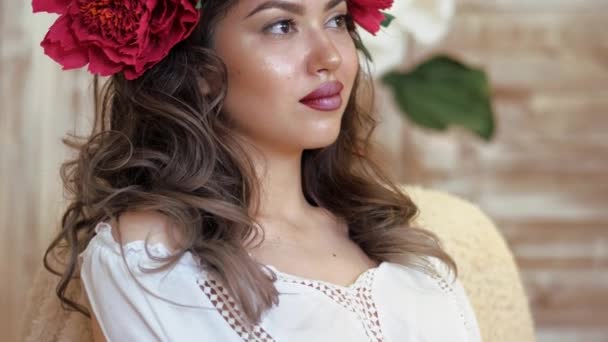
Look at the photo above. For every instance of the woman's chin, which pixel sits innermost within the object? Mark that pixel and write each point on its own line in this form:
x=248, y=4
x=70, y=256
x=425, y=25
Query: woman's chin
x=322, y=141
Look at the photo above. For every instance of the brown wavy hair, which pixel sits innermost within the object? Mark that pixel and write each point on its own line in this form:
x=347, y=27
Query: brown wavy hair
x=160, y=143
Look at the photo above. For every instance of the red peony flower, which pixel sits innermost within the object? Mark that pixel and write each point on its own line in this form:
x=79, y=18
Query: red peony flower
x=367, y=13
x=113, y=36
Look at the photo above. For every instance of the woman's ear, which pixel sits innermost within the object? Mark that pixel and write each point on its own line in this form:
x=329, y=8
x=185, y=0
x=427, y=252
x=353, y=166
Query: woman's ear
x=210, y=84
x=204, y=86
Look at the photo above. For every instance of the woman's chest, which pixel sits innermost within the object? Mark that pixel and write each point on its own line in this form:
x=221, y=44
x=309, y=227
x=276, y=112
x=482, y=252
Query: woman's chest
x=334, y=260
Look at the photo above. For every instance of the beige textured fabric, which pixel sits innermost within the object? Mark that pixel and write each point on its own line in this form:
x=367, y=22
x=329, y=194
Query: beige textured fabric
x=486, y=269
x=486, y=265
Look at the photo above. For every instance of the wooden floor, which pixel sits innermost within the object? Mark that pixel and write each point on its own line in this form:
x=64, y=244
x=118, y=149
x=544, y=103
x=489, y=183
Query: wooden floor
x=542, y=179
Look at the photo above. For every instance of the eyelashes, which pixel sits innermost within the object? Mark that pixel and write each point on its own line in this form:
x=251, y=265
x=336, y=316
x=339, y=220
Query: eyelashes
x=290, y=23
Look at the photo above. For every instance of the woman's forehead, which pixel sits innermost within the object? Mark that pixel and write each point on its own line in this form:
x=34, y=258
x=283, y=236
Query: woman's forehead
x=299, y=7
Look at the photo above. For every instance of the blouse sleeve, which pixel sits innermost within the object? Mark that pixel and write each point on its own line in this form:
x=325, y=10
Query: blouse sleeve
x=165, y=305
x=466, y=309
x=454, y=288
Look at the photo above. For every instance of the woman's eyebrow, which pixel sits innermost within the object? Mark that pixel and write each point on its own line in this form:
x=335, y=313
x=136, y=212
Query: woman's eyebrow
x=289, y=6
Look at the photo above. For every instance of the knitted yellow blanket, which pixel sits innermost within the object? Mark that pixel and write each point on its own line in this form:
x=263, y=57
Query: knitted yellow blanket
x=487, y=271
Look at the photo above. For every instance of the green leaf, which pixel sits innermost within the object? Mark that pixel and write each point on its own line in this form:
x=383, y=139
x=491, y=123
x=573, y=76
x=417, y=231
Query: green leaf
x=388, y=18
x=442, y=92
x=199, y=4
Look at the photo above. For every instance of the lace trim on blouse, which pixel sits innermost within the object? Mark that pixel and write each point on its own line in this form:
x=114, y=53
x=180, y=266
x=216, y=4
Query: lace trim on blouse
x=226, y=306
x=356, y=297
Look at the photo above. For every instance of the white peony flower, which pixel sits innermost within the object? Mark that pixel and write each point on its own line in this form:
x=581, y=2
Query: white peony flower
x=426, y=21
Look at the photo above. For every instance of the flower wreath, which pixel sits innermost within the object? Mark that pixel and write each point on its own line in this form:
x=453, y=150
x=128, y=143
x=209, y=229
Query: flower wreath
x=131, y=36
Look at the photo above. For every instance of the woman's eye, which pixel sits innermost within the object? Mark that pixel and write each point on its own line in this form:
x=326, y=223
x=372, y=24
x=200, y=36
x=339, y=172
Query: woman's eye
x=341, y=20
x=282, y=25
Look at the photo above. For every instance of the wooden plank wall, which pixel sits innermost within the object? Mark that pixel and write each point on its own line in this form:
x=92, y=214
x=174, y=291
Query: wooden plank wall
x=39, y=104
x=541, y=179
x=544, y=177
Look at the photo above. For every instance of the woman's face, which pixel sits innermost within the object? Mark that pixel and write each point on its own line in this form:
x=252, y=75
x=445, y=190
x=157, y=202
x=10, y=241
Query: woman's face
x=276, y=53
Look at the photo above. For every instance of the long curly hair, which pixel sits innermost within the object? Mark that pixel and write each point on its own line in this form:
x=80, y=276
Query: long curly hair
x=160, y=143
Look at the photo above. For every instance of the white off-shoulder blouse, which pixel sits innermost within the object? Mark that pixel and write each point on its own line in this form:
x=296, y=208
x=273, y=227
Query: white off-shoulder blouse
x=388, y=303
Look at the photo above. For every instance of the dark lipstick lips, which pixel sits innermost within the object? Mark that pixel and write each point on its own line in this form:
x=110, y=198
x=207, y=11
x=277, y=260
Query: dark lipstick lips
x=327, y=89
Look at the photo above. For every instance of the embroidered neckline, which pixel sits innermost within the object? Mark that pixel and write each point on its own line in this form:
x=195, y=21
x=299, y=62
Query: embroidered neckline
x=358, y=282
x=356, y=298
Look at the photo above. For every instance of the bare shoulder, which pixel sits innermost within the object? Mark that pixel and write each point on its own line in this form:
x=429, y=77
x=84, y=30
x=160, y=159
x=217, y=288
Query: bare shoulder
x=142, y=225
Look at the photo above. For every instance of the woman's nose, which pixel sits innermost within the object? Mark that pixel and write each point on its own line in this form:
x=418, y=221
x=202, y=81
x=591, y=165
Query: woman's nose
x=324, y=55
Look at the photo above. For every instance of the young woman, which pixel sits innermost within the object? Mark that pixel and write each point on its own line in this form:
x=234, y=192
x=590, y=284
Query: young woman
x=226, y=192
